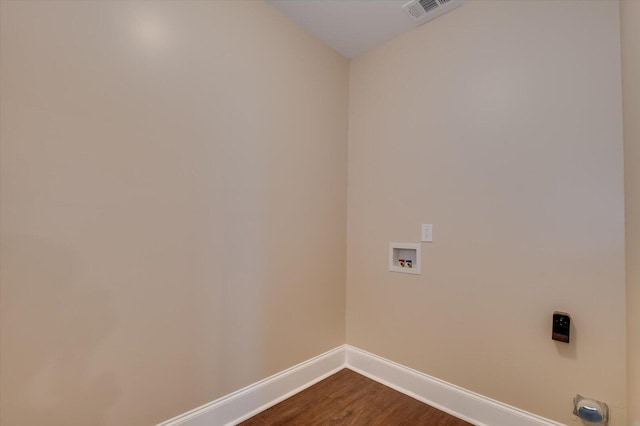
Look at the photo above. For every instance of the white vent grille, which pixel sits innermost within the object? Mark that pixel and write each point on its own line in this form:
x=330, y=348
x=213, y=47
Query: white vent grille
x=428, y=5
x=414, y=10
x=422, y=11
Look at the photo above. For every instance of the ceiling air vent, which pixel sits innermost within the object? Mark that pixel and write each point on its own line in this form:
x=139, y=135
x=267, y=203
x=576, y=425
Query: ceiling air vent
x=414, y=10
x=422, y=11
x=428, y=5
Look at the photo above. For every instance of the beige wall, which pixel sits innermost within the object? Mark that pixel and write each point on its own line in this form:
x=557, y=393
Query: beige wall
x=149, y=149
x=630, y=31
x=500, y=123
x=173, y=195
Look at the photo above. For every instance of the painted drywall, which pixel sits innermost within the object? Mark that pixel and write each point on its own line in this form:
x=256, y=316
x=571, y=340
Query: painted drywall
x=173, y=205
x=630, y=43
x=499, y=123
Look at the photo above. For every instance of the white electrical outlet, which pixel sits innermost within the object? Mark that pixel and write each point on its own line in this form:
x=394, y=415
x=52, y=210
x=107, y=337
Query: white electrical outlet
x=427, y=233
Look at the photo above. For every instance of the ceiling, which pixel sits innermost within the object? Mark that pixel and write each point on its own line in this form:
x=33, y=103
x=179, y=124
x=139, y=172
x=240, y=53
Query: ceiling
x=351, y=27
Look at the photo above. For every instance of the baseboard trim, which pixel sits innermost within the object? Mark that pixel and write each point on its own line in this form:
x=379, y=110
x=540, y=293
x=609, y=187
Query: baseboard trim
x=249, y=401
x=459, y=402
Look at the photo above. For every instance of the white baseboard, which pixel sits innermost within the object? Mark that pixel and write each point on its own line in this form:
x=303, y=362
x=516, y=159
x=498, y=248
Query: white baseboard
x=247, y=402
x=452, y=399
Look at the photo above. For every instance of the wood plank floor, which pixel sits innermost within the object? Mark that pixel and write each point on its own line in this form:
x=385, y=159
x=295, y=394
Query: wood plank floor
x=348, y=398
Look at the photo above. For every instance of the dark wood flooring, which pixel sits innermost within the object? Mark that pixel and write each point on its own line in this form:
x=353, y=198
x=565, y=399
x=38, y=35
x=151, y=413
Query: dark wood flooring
x=348, y=398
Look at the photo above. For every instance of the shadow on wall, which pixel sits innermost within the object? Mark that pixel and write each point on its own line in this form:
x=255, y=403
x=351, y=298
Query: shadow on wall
x=49, y=330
